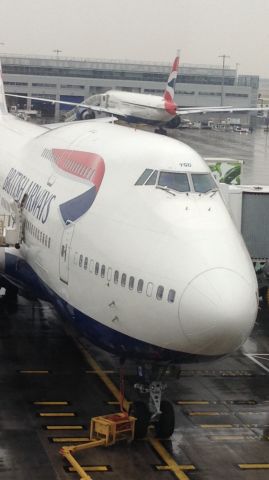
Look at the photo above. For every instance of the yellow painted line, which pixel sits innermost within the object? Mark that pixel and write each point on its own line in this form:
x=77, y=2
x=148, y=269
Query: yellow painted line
x=253, y=466
x=38, y=372
x=115, y=403
x=91, y=468
x=70, y=439
x=51, y=403
x=64, y=427
x=204, y=414
x=225, y=425
x=192, y=402
x=165, y=468
x=54, y=414
x=166, y=457
x=104, y=377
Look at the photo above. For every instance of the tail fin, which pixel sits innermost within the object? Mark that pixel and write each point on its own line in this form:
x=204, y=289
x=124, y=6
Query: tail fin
x=3, y=105
x=170, y=86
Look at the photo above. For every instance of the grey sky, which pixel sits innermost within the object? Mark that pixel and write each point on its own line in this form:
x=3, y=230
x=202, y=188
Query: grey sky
x=141, y=30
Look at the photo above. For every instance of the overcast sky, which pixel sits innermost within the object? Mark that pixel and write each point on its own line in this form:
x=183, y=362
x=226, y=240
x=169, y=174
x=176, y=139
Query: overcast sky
x=141, y=30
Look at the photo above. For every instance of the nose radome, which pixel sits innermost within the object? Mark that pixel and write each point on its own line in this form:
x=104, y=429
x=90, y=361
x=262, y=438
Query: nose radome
x=217, y=311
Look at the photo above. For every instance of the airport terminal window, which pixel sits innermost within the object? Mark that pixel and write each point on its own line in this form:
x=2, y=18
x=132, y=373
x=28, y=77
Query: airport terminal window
x=159, y=294
x=103, y=271
x=140, y=285
x=96, y=271
x=171, y=296
x=175, y=181
x=143, y=178
x=131, y=283
x=203, y=182
x=116, y=276
x=123, y=280
x=80, y=260
x=85, y=263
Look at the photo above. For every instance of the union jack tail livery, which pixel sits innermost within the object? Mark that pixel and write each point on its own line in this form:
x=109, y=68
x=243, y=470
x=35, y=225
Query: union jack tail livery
x=170, y=86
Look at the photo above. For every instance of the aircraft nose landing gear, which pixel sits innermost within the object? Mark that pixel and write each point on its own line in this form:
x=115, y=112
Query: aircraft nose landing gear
x=158, y=412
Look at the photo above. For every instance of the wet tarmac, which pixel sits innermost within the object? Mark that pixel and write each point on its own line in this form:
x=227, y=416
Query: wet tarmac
x=49, y=389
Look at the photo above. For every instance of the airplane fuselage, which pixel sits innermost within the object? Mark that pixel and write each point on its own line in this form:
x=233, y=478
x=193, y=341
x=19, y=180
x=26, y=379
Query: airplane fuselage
x=136, y=107
x=138, y=267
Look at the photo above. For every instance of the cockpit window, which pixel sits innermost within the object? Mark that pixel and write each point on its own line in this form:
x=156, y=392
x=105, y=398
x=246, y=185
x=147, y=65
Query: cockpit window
x=152, y=179
x=143, y=178
x=175, y=181
x=203, y=182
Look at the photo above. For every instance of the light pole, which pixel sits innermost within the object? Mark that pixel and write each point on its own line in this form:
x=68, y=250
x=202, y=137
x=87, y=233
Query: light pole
x=57, y=51
x=222, y=80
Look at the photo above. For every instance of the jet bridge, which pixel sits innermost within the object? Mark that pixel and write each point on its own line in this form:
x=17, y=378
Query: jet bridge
x=11, y=227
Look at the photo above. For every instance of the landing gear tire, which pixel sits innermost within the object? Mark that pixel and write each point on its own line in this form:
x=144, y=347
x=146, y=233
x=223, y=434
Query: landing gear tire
x=140, y=411
x=166, y=423
x=161, y=131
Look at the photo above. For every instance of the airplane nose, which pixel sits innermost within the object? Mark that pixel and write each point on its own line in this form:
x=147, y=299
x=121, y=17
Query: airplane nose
x=217, y=311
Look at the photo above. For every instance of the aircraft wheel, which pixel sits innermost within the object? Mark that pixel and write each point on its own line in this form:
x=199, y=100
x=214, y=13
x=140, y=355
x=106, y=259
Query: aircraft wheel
x=166, y=423
x=140, y=411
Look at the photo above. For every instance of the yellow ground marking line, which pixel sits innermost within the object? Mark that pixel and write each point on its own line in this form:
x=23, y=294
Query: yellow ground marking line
x=225, y=425
x=38, y=372
x=170, y=462
x=64, y=427
x=70, y=439
x=192, y=402
x=206, y=414
x=166, y=468
x=54, y=414
x=253, y=466
x=174, y=467
x=50, y=403
x=104, y=377
x=91, y=468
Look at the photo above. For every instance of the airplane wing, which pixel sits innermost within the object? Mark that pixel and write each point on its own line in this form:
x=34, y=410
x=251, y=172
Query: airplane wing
x=52, y=126
x=51, y=100
x=228, y=109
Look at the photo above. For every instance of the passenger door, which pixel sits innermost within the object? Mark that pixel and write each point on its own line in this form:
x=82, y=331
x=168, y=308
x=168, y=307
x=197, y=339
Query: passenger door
x=65, y=247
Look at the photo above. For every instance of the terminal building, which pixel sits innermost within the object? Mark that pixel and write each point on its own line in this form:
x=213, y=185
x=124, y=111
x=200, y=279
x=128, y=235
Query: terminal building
x=75, y=79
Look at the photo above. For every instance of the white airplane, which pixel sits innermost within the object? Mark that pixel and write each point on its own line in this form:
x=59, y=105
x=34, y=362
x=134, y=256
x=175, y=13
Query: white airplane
x=139, y=108
x=127, y=235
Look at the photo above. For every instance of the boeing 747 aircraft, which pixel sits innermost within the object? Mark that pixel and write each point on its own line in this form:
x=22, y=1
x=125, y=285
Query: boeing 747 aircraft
x=127, y=235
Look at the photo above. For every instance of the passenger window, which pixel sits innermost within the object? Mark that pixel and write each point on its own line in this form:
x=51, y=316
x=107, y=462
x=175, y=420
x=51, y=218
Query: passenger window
x=159, y=294
x=149, y=289
x=152, y=179
x=46, y=240
x=143, y=178
x=96, y=271
x=103, y=271
x=80, y=261
x=109, y=273
x=62, y=251
x=123, y=280
x=116, y=276
x=131, y=283
x=171, y=296
x=140, y=285
x=91, y=265
x=49, y=242
x=85, y=263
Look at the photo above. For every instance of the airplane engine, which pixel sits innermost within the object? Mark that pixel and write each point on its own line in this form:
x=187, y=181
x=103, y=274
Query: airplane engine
x=174, y=122
x=85, y=114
